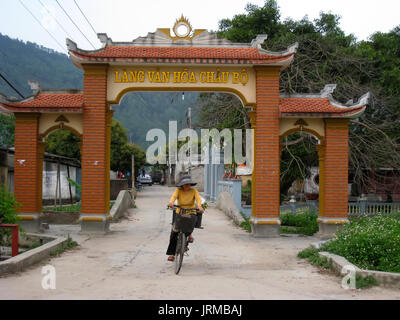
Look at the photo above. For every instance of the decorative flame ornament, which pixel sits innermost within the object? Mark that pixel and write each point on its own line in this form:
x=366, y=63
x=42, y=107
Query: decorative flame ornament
x=182, y=22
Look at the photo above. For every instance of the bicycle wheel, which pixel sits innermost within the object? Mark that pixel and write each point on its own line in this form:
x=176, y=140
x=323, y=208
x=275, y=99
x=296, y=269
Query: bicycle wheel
x=180, y=251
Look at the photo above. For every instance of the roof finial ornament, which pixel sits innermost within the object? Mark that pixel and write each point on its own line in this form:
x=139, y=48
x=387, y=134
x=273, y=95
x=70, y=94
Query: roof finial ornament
x=259, y=40
x=182, y=23
x=328, y=90
x=35, y=86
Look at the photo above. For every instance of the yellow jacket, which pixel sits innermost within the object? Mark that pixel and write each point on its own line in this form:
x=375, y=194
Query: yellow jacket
x=186, y=199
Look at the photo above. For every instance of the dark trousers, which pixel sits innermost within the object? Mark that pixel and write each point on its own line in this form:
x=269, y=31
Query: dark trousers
x=173, y=241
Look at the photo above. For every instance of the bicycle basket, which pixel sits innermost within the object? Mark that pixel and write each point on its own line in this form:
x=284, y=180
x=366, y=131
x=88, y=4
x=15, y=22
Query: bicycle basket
x=185, y=222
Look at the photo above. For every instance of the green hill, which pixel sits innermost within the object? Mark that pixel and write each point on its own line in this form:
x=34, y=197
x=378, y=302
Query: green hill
x=138, y=111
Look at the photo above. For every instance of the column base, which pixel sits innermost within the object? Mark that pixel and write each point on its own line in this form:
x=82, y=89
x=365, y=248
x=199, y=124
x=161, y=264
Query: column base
x=95, y=223
x=31, y=222
x=265, y=227
x=329, y=226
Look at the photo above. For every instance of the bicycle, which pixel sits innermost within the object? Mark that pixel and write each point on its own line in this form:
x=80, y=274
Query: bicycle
x=184, y=222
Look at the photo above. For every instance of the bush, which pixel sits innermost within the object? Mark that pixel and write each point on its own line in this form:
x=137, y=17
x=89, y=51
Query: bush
x=369, y=242
x=8, y=213
x=305, y=223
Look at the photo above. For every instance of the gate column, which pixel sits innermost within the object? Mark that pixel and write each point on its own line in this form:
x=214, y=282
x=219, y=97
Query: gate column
x=95, y=150
x=265, y=206
x=335, y=177
x=28, y=167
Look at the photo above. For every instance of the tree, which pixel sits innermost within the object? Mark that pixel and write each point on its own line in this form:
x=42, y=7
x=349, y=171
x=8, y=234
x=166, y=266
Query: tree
x=7, y=129
x=327, y=55
x=63, y=143
x=122, y=151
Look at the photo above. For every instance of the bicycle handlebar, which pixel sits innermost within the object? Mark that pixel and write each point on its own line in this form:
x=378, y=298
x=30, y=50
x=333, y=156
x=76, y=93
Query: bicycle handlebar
x=183, y=209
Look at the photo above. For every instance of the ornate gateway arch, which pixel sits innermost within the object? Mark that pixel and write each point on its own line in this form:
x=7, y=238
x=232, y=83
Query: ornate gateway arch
x=190, y=60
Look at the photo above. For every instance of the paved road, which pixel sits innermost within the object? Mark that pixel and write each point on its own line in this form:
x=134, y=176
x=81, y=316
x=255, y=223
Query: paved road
x=225, y=262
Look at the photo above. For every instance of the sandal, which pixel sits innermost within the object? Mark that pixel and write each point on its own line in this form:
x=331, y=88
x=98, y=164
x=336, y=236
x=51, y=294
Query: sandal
x=171, y=258
x=191, y=239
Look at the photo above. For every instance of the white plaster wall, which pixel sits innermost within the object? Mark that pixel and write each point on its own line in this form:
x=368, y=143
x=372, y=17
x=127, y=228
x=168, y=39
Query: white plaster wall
x=50, y=180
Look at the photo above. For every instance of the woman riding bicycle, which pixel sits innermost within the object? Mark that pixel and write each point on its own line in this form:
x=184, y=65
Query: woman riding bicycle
x=186, y=196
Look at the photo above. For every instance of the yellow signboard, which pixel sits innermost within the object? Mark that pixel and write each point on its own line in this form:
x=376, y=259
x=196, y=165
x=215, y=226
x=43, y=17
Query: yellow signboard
x=185, y=76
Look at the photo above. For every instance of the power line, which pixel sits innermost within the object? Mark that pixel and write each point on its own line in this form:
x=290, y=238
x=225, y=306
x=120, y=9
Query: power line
x=86, y=18
x=59, y=24
x=74, y=24
x=37, y=20
x=9, y=83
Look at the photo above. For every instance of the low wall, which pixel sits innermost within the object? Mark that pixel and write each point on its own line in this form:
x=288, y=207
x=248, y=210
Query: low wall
x=226, y=204
x=122, y=204
x=28, y=258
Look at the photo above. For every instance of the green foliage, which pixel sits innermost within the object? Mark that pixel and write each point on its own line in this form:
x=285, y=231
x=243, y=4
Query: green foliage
x=365, y=282
x=257, y=20
x=304, y=223
x=122, y=151
x=8, y=206
x=8, y=213
x=77, y=186
x=312, y=255
x=369, y=242
x=246, y=224
x=7, y=129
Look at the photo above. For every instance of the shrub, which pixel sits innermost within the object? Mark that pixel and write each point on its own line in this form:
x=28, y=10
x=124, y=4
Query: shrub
x=369, y=242
x=305, y=223
x=8, y=213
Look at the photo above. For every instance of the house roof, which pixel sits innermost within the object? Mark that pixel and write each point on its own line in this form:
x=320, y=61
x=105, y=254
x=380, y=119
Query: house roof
x=320, y=105
x=316, y=107
x=197, y=55
x=47, y=102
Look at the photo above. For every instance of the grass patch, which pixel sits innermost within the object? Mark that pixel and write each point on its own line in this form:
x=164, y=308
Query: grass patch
x=312, y=255
x=246, y=224
x=77, y=207
x=301, y=223
x=70, y=244
x=365, y=282
x=371, y=243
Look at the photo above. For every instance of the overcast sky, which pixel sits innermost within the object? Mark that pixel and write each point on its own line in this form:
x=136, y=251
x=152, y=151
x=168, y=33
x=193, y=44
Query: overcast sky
x=125, y=20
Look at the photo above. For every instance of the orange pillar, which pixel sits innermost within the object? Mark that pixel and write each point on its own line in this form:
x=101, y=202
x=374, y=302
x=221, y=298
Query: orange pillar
x=335, y=177
x=28, y=167
x=321, y=158
x=95, y=163
x=265, y=219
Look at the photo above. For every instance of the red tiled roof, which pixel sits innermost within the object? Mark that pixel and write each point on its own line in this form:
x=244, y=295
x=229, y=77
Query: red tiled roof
x=72, y=102
x=151, y=54
x=314, y=106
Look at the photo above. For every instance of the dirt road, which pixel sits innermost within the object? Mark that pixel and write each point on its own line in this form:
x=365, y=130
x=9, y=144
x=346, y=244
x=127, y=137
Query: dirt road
x=225, y=262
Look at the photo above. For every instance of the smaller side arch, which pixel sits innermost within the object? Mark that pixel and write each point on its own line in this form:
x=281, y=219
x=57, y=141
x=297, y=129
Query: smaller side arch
x=310, y=131
x=58, y=127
